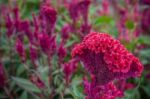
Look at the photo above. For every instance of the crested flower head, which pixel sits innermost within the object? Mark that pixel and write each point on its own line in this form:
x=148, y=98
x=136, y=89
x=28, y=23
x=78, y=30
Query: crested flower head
x=108, y=91
x=106, y=58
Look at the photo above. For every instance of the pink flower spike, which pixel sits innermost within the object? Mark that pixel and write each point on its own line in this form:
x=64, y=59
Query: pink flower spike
x=48, y=44
x=106, y=58
x=61, y=52
x=2, y=76
x=33, y=54
x=69, y=68
x=9, y=25
x=20, y=50
x=49, y=15
x=83, y=9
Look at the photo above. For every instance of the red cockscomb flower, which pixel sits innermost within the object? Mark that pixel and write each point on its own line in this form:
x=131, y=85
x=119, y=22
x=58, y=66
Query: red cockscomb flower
x=108, y=91
x=107, y=58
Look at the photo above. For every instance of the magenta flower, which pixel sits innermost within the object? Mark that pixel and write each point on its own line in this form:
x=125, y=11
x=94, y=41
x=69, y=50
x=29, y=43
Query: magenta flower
x=17, y=17
x=49, y=16
x=33, y=54
x=9, y=25
x=2, y=76
x=83, y=7
x=61, y=52
x=24, y=26
x=108, y=91
x=73, y=12
x=85, y=29
x=106, y=58
x=145, y=21
x=66, y=29
x=48, y=44
x=69, y=68
x=20, y=50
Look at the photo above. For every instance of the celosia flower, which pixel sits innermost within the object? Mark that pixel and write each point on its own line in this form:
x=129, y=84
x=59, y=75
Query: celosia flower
x=9, y=25
x=69, y=68
x=66, y=29
x=33, y=54
x=48, y=44
x=83, y=7
x=36, y=26
x=61, y=52
x=37, y=81
x=105, y=6
x=2, y=76
x=16, y=17
x=20, y=49
x=108, y=91
x=106, y=58
x=73, y=12
x=24, y=26
x=49, y=16
x=85, y=29
x=145, y=21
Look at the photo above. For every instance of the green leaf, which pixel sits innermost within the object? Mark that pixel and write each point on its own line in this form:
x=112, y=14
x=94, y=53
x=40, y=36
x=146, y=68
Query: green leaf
x=147, y=89
x=24, y=95
x=144, y=40
x=145, y=56
x=26, y=84
x=20, y=70
x=103, y=19
x=129, y=24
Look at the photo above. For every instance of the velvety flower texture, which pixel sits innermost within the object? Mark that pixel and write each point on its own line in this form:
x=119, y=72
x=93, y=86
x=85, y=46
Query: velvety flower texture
x=106, y=58
x=2, y=76
x=109, y=91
